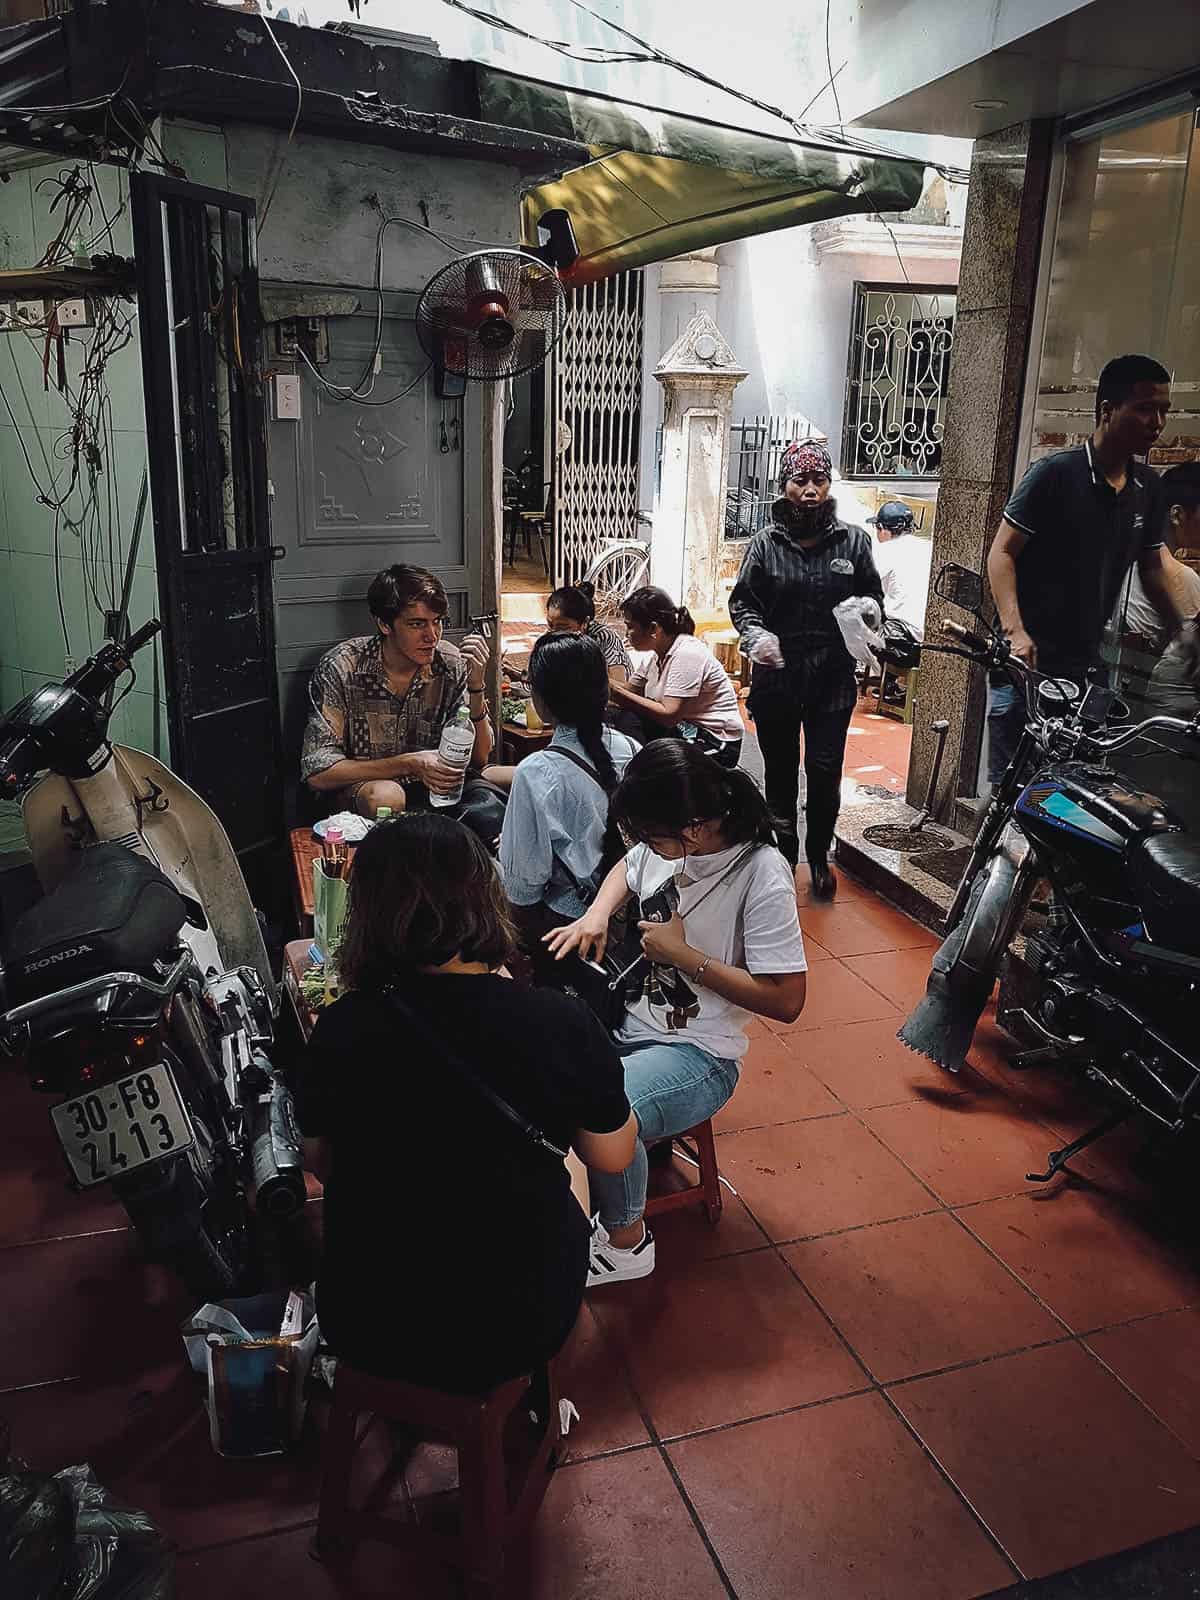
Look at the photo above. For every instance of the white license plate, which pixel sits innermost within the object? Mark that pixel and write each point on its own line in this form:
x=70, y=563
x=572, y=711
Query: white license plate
x=123, y=1125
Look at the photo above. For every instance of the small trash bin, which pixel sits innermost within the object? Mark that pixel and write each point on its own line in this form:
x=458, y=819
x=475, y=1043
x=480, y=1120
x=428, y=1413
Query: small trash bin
x=255, y=1354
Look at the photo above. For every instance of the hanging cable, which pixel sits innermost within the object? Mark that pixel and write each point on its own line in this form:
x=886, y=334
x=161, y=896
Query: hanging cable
x=262, y=221
x=335, y=392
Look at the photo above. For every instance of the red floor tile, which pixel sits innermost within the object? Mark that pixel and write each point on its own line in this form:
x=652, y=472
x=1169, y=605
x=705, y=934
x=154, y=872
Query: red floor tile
x=965, y=1148
x=806, y=1178
x=724, y=1341
x=878, y=1287
x=900, y=975
x=146, y=1435
x=684, y=1237
x=848, y=890
x=774, y=1087
x=282, y=1565
x=1057, y=1096
x=614, y=1527
x=1082, y=1254
x=864, y=1064
x=856, y=930
x=838, y=1502
x=1060, y=1462
x=592, y=1374
x=83, y=1306
x=837, y=995
x=814, y=951
x=1157, y=1358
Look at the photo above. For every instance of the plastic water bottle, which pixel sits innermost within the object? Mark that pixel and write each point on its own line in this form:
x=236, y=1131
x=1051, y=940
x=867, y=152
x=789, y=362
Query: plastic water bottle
x=383, y=814
x=458, y=741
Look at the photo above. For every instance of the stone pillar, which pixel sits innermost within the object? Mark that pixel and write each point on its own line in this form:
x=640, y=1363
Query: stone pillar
x=1002, y=235
x=698, y=376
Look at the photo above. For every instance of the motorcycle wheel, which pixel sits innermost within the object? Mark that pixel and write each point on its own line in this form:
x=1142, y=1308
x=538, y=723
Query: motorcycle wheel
x=210, y=1266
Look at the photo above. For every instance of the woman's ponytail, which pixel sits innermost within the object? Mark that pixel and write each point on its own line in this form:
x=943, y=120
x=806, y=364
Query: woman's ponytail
x=684, y=622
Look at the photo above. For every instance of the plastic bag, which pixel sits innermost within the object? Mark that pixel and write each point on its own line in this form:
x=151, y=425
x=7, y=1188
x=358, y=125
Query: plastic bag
x=62, y=1538
x=858, y=618
x=255, y=1354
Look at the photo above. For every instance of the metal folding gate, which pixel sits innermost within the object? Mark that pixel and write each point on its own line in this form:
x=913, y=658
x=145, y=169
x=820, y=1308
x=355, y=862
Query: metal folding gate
x=598, y=415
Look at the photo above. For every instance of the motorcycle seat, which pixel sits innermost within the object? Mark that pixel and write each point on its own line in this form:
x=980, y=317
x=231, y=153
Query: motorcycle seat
x=1166, y=872
x=115, y=912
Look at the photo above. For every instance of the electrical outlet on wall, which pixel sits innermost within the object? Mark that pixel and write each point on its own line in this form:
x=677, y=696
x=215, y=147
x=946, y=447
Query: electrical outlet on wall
x=287, y=396
x=31, y=313
x=8, y=317
x=74, y=314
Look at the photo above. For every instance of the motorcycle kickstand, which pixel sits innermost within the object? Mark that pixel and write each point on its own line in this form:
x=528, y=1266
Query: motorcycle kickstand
x=1059, y=1158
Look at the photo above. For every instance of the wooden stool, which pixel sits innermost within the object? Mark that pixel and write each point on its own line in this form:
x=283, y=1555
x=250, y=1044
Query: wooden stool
x=706, y=1191
x=494, y=1511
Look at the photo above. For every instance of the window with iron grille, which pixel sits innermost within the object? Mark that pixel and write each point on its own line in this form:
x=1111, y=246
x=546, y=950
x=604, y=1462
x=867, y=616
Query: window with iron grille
x=897, y=380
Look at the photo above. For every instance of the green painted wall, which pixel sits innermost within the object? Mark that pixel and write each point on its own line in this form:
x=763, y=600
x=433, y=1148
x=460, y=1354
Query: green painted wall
x=32, y=645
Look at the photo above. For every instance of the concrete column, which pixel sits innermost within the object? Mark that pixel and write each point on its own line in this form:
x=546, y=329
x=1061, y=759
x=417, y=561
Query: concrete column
x=698, y=375
x=1002, y=236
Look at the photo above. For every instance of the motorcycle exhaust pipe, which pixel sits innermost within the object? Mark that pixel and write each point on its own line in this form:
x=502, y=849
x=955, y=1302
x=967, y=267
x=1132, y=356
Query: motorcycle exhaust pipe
x=276, y=1161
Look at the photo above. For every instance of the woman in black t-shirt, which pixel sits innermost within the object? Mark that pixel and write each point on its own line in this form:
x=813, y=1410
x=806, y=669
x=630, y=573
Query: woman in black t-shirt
x=455, y=1254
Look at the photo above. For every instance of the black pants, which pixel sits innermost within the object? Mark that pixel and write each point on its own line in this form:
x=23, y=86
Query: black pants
x=779, y=717
x=725, y=752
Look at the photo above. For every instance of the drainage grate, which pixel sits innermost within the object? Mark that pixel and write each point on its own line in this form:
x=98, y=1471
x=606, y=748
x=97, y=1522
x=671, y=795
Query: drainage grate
x=893, y=836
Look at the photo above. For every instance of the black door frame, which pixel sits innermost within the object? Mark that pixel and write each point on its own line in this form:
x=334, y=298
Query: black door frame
x=201, y=345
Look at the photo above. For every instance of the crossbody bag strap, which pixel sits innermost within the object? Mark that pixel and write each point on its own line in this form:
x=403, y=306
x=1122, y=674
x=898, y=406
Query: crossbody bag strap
x=581, y=889
x=437, y=1044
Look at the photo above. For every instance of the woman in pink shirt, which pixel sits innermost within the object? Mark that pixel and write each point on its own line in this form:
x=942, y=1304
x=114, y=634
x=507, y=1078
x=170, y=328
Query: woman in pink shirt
x=680, y=690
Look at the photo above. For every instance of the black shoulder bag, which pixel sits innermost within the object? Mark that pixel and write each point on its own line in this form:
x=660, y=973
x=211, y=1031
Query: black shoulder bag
x=437, y=1045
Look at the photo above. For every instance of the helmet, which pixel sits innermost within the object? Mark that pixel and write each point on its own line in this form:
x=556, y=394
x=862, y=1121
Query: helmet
x=901, y=645
x=895, y=517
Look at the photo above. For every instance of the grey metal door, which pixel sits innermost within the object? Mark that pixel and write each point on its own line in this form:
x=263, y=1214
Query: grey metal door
x=356, y=487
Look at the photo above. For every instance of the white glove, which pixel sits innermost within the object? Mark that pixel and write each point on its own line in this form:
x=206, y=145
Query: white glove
x=765, y=651
x=859, y=636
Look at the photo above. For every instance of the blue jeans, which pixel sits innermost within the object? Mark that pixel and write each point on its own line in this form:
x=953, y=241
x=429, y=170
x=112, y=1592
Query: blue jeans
x=1006, y=717
x=671, y=1087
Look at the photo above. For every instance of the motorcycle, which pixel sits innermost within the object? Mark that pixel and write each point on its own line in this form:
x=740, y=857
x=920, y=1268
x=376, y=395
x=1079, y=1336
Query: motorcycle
x=138, y=992
x=1116, y=973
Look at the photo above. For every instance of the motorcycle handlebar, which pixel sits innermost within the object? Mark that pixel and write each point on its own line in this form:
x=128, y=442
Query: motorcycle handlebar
x=973, y=641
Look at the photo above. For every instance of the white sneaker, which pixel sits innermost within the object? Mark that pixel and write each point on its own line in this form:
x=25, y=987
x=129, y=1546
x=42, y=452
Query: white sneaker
x=608, y=1264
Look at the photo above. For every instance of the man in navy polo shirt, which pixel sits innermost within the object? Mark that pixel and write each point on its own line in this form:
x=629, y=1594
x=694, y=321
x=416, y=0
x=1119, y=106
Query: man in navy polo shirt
x=1074, y=526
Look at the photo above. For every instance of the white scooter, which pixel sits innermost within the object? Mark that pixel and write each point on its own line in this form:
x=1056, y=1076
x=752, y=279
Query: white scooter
x=139, y=992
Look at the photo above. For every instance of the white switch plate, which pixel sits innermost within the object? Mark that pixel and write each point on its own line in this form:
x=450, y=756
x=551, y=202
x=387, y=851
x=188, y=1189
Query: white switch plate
x=287, y=396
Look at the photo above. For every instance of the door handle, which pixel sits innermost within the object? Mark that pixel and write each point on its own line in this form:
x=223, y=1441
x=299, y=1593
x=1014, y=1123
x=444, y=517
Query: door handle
x=278, y=552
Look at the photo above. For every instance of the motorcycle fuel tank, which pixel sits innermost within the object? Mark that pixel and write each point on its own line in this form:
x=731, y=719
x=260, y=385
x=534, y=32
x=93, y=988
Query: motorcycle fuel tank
x=1089, y=813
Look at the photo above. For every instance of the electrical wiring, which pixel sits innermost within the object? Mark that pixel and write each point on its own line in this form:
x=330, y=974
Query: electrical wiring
x=262, y=220
x=336, y=392
x=837, y=104
x=649, y=55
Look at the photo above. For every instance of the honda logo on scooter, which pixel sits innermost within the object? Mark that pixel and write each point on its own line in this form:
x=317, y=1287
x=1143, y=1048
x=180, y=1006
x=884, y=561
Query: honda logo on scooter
x=61, y=955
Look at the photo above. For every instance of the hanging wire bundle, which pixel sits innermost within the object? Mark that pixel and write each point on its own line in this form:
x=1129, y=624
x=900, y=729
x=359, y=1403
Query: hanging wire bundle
x=72, y=474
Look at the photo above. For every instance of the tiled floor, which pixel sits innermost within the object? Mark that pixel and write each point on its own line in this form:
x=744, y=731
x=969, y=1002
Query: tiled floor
x=893, y=1369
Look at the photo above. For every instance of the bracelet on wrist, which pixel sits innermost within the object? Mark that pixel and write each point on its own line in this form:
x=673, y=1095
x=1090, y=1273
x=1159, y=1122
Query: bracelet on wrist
x=482, y=717
x=698, y=975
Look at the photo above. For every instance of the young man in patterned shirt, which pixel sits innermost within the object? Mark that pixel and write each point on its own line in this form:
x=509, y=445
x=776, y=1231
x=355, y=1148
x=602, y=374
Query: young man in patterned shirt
x=379, y=703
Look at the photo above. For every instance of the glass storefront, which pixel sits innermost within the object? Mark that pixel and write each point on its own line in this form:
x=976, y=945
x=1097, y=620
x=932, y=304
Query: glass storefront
x=1124, y=276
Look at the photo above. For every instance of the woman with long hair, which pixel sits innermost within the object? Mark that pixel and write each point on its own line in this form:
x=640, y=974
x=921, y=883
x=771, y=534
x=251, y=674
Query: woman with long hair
x=730, y=949
x=680, y=689
x=397, y=1102
x=552, y=845
x=572, y=609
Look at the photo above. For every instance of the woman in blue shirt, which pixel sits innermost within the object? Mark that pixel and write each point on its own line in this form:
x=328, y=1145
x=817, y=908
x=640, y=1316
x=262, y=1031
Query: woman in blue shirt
x=552, y=842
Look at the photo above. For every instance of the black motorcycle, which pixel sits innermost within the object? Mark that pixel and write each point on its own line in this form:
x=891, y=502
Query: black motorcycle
x=1116, y=973
x=137, y=992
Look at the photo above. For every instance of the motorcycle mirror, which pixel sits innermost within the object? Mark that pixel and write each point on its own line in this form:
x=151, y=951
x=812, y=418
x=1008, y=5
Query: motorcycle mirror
x=960, y=586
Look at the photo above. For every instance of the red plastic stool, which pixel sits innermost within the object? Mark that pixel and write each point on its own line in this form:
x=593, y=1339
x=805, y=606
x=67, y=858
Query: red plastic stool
x=706, y=1191
x=494, y=1511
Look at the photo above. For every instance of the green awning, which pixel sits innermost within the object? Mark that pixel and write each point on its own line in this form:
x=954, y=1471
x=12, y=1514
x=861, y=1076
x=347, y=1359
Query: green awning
x=660, y=184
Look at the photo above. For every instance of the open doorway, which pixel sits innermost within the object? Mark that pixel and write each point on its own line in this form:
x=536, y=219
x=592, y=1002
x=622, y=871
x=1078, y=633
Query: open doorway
x=528, y=504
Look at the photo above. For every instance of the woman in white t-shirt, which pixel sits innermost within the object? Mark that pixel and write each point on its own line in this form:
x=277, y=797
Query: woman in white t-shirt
x=678, y=689
x=732, y=949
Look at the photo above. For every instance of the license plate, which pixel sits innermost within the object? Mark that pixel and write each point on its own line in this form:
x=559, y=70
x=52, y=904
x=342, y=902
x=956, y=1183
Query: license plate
x=122, y=1126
